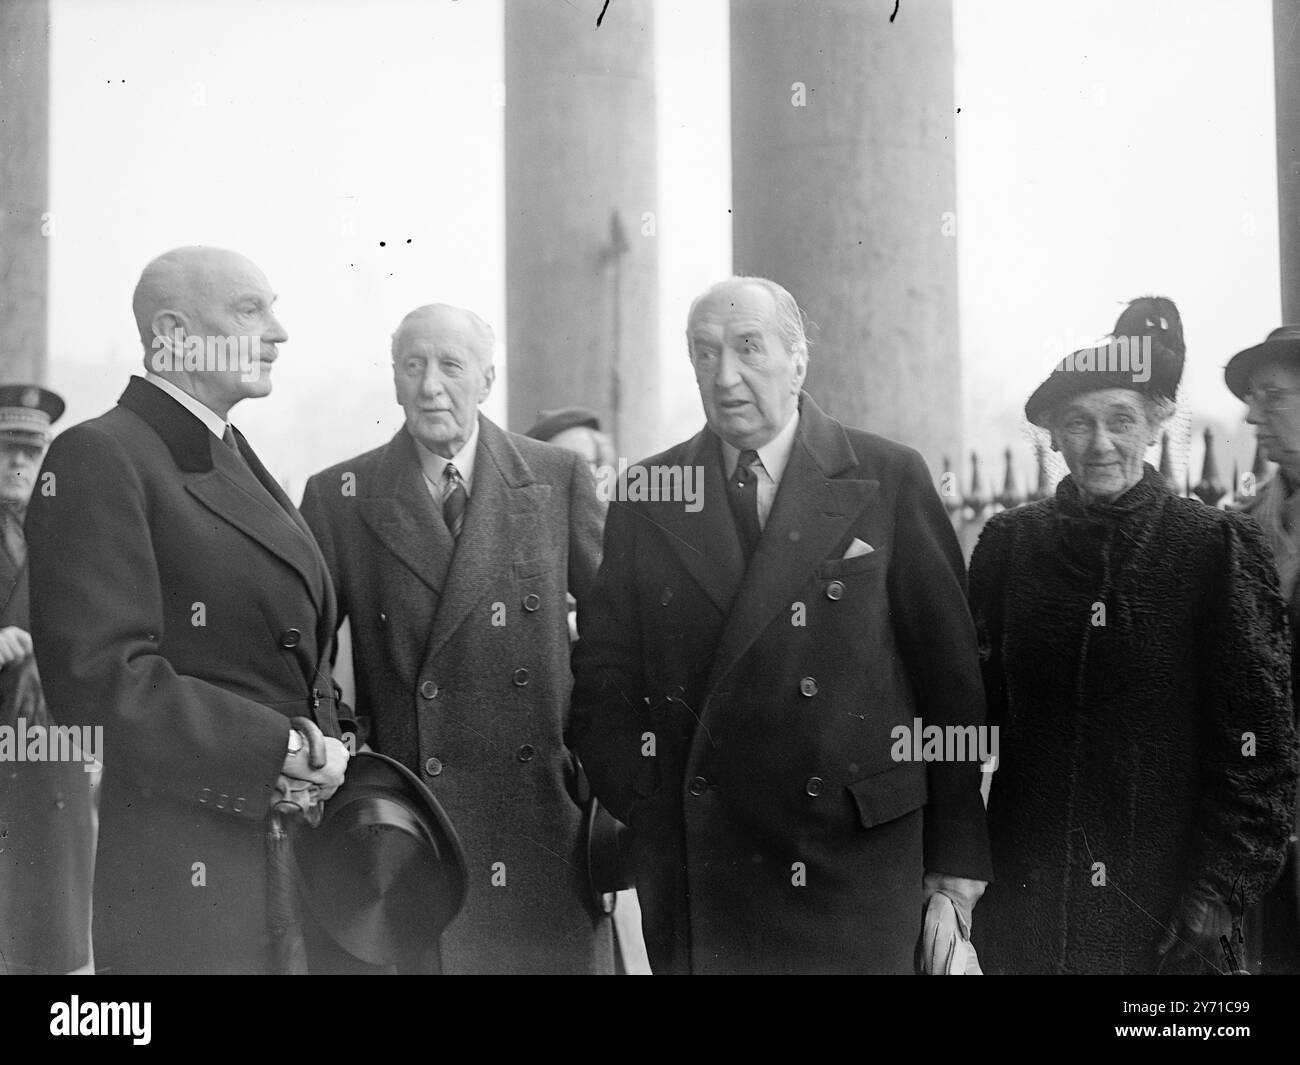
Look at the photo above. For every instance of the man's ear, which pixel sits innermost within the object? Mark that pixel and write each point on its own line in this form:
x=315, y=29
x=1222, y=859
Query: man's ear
x=800, y=370
x=489, y=375
x=164, y=351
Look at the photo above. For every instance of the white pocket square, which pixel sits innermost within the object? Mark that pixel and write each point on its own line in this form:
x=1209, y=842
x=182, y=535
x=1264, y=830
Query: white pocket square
x=858, y=547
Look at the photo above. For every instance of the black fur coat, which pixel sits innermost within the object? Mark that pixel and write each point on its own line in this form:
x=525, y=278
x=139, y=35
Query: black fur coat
x=1137, y=661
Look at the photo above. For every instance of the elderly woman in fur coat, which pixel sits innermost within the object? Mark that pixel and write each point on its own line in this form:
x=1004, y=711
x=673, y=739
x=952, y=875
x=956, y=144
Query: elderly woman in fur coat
x=1136, y=658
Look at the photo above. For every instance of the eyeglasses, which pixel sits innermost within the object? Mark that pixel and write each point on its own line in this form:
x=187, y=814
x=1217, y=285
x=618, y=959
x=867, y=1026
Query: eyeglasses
x=1272, y=400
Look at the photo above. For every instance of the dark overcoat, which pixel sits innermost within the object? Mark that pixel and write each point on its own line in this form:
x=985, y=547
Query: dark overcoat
x=1137, y=662
x=1273, y=930
x=46, y=837
x=187, y=611
x=461, y=654
x=740, y=721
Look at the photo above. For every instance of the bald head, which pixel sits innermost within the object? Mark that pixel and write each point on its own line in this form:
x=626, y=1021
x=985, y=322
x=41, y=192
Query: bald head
x=184, y=280
x=206, y=323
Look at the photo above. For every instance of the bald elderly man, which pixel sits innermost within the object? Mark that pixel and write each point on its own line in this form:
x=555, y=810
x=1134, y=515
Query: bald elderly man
x=452, y=548
x=180, y=602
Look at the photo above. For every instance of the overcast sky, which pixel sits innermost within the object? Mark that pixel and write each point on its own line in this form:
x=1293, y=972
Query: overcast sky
x=1105, y=151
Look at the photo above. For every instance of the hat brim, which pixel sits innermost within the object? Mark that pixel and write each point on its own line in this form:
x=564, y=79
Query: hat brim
x=1241, y=366
x=1064, y=385
x=385, y=872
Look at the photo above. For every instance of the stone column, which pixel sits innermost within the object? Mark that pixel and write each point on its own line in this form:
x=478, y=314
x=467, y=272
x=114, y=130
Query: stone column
x=844, y=191
x=1286, y=68
x=24, y=187
x=581, y=214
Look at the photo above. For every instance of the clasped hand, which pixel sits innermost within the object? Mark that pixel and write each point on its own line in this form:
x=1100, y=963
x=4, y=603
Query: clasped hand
x=311, y=774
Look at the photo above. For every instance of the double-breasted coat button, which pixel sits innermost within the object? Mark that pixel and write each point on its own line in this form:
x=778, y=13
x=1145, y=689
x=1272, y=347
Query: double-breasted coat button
x=429, y=690
x=520, y=677
x=835, y=590
x=239, y=804
x=290, y=638
x=808, y=687
x=675, y=692
x=526, y=752
x=814, y=786
x=666, y=598
x=221, y=802
x=699, y=785
x=532, y=601
x=432, y=766
x=205, y=795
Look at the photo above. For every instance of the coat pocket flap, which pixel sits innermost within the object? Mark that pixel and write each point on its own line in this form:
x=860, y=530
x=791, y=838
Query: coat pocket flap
x=890, y=794
x=533, y=567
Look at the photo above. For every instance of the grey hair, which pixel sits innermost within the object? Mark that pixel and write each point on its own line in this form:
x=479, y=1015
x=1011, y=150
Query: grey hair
x=486, y=338
x=789, y=318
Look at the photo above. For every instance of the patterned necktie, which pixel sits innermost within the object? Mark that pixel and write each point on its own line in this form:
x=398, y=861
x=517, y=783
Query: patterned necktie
x=743, y=491
x=454, y=498
x=13, y=541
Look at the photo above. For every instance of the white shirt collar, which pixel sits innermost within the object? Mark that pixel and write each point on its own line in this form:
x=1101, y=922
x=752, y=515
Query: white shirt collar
x=433, y=465
x=206, y=415
x=775, y=454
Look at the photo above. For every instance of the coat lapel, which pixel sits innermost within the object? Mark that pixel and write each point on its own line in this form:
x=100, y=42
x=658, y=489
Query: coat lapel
x=234, y=494
x=404, y=517
x=8, y=579
x=814, y=507
x=229, y=489
x=9, y=574
x=504, y=513
x=705, y=541
x=322, y=588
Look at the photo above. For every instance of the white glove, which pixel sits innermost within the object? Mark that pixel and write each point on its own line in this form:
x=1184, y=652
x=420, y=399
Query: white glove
x=945, y=948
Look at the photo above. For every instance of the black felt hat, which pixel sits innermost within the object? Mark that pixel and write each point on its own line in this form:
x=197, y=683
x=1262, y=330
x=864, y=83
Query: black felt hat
x=384, y=872
x=1150, y=322
x=551, y=423
x=1281, y=345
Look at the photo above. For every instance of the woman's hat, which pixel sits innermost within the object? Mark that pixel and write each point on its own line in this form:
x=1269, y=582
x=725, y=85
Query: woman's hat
x=1281, y=345
x=1144, y=353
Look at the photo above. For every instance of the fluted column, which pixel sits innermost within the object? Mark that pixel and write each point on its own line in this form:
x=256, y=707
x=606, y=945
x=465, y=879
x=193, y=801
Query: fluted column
x=581, y=214
x=24, y=187
x=844, y=191
x=1286, y=73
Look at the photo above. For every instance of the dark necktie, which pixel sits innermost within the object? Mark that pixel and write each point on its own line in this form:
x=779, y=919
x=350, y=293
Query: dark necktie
x=743, y=491
x=13, y=541
x=228, y=438
x=454, y=498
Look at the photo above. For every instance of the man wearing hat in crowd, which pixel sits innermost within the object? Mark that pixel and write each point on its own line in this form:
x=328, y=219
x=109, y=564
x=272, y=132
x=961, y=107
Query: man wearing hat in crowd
x=46, y=836
x=180, y=602
x=453, y=547
x=1266, y=377
x=576, y=429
